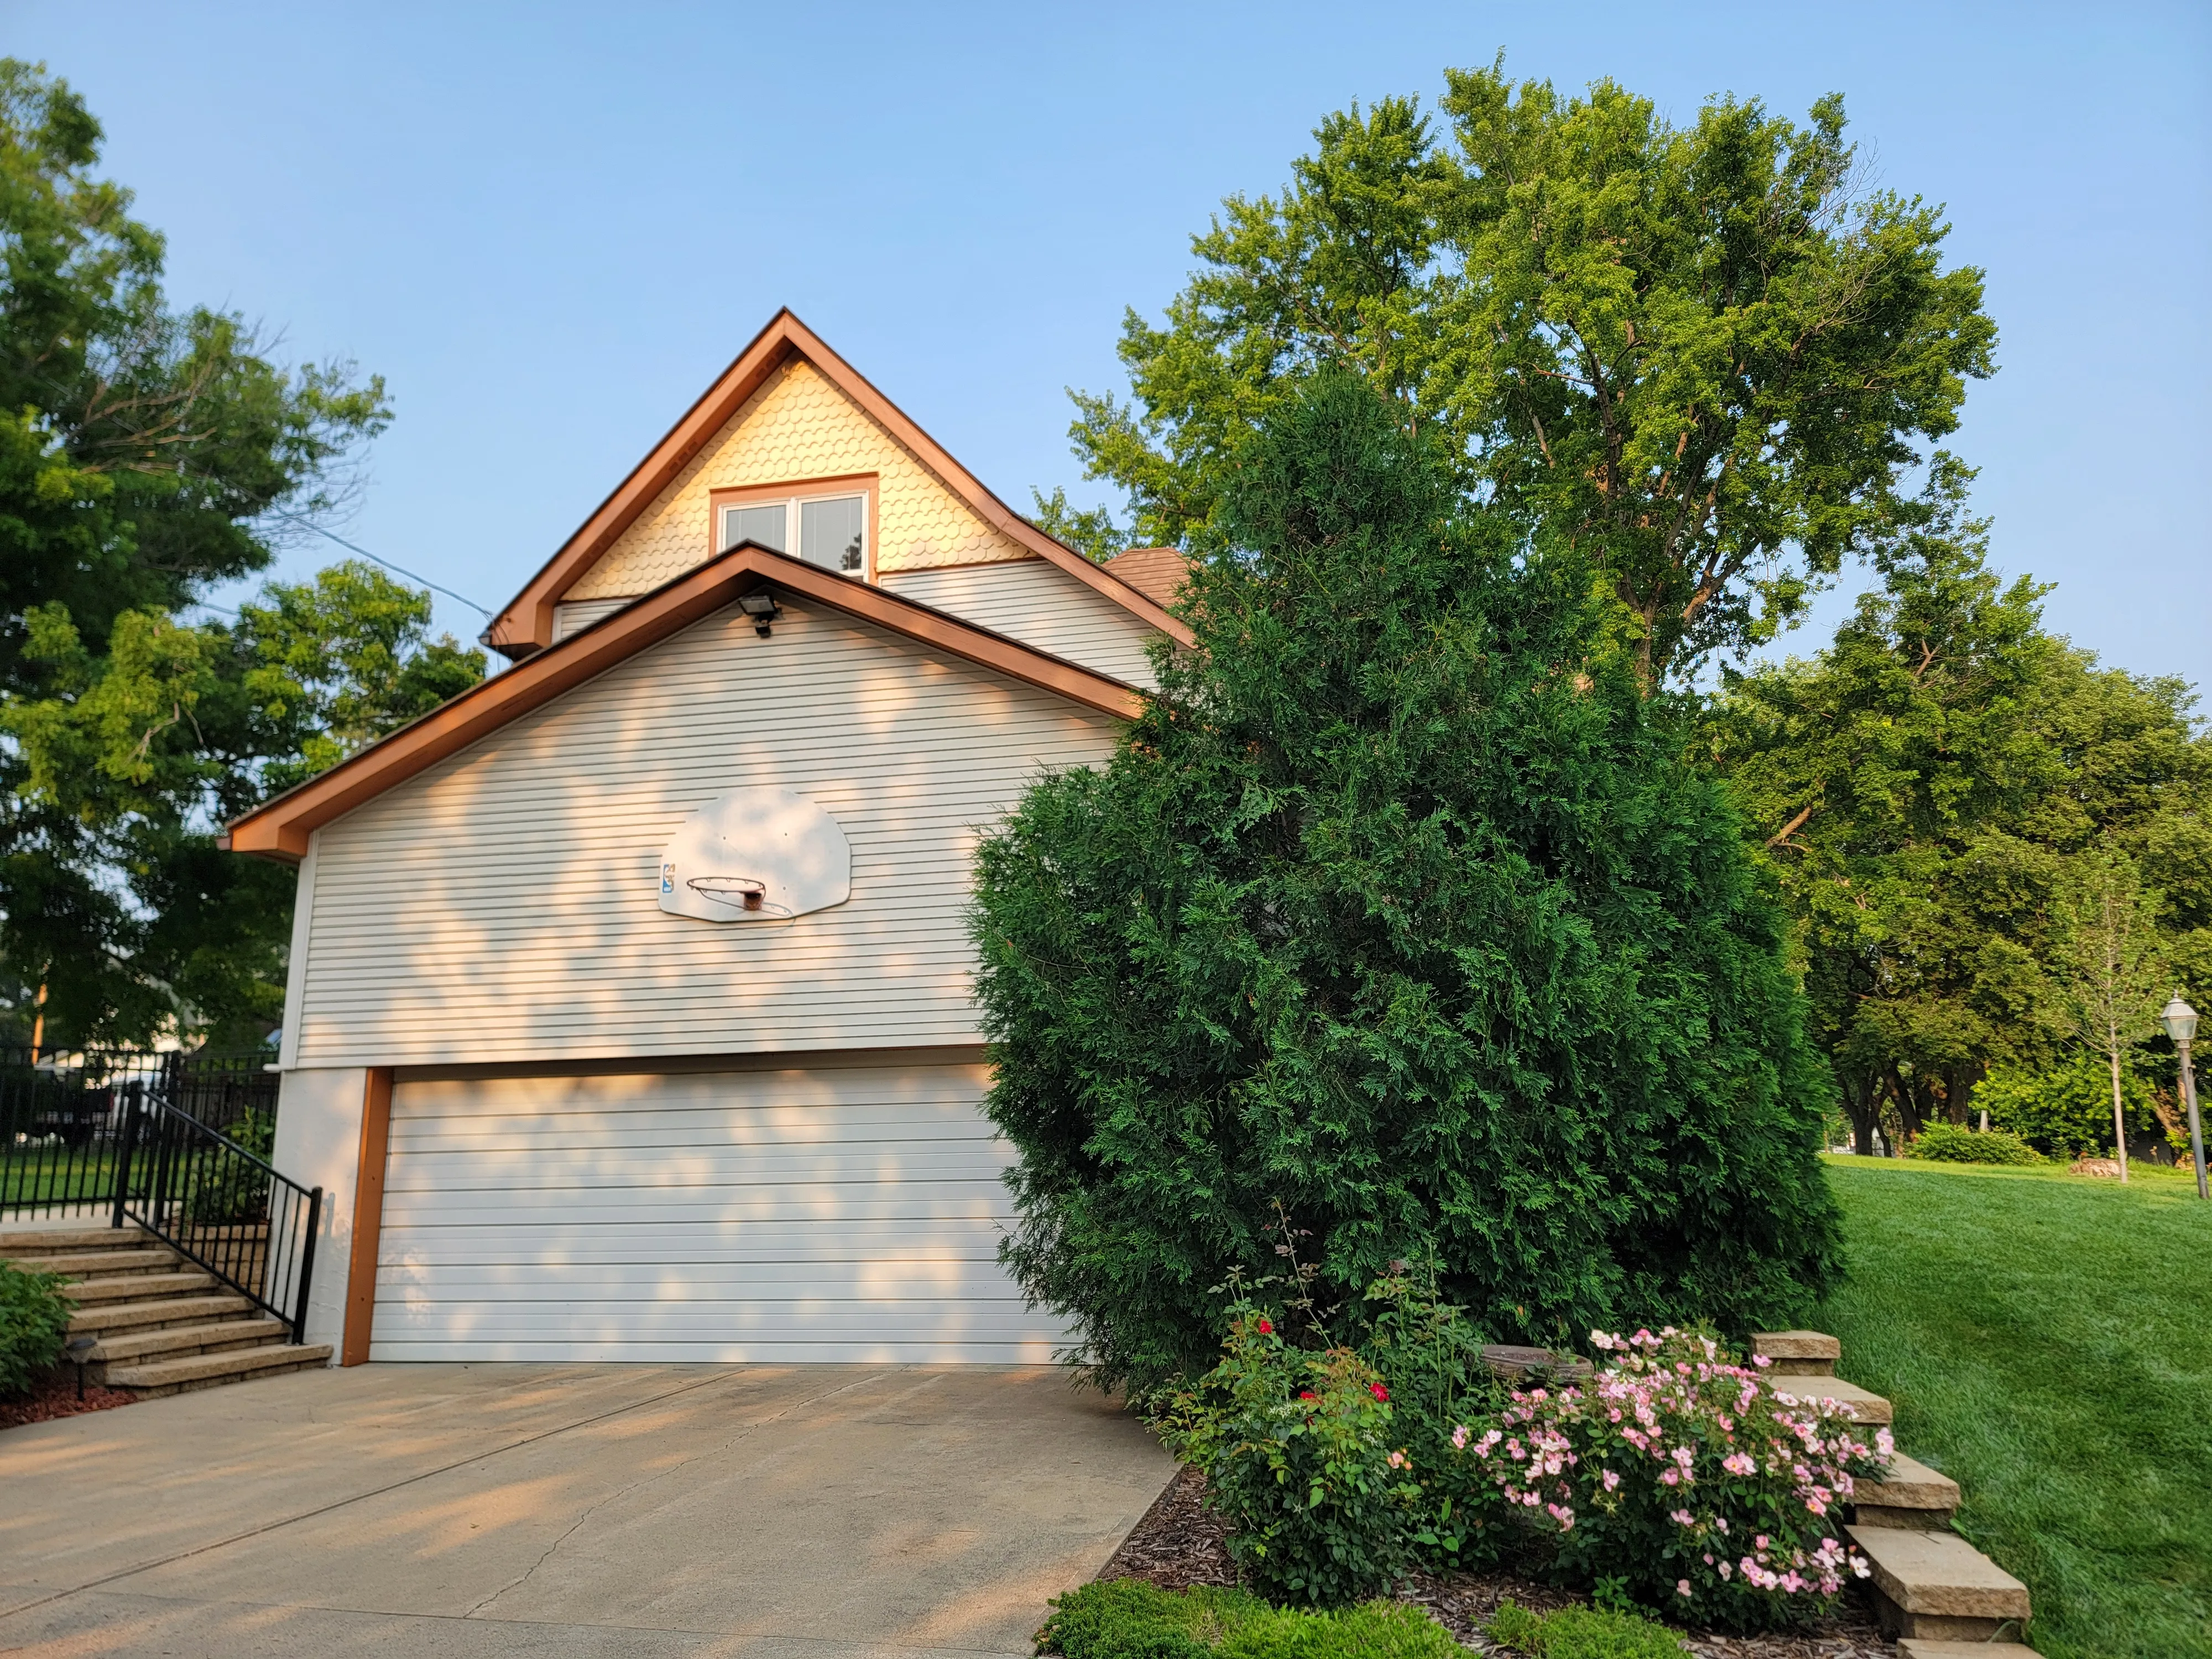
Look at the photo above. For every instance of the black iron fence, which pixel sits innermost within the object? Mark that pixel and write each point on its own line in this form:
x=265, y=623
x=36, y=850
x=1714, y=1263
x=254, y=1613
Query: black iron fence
x=219, y=1205
x=180, y=1143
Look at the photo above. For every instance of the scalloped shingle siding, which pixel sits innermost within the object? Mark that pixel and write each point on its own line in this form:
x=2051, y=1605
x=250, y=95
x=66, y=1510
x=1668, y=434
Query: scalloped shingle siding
x=797, y=426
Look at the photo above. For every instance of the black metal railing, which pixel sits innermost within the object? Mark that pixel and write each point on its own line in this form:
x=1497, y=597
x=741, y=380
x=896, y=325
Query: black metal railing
x=61, y=1117
x=220, y=1207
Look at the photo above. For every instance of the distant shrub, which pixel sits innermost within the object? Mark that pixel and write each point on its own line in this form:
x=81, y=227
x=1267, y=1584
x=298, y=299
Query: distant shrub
x=1949, y=1143
x=34, y=1320
x=1580, y=1633
x=2066, y=1110
x=1128, y=1618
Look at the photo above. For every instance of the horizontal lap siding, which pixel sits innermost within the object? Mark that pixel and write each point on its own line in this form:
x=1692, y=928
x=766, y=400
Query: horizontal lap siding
x=502, y=907
x=844, y=1213
x=1042, y=605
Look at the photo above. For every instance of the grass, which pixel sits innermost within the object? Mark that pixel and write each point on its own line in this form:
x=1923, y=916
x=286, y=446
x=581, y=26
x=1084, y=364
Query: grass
x=41, y=1176
x=2047, y=1342
x=1128, y=1618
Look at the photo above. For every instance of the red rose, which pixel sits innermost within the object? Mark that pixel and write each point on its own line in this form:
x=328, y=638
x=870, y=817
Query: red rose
x=1266, y=1329
x=1379, y=1392
x=1305, y=1394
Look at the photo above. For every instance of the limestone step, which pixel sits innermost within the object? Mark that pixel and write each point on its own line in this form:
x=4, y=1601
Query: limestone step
x=1910, y=1495
x=1917, y=1647
x=16, y=1242
x=208, y=1371
x=1870, y=1408
x=175, y=1341
x=178, y=1310
x=1936, y=1585
x=1798, y=1353
x=138, y=1287
x=103, y=1264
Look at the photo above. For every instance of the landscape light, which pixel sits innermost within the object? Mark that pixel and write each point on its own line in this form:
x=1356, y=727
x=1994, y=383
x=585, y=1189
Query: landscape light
x=2180, y=1022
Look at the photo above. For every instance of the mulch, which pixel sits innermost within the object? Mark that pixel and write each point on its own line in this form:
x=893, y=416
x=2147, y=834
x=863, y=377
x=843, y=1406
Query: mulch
x=54, y=1395
x=1181, y=1543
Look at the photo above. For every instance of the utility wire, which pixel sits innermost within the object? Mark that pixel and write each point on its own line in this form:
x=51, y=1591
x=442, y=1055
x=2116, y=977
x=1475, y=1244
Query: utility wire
x=387, y=563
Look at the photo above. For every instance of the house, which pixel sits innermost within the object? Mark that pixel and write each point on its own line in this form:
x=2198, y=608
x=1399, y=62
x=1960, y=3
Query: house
x=628, y=1015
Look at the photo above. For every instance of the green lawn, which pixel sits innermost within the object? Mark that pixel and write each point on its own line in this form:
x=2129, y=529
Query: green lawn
x=2047, y=1341
x=53, y=1175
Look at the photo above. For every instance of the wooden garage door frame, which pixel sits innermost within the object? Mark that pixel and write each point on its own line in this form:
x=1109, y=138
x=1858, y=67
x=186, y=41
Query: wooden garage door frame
x=827, y=1297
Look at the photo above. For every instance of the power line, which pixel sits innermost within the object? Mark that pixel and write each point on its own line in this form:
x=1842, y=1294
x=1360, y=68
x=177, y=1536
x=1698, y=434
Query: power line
x=387, y=563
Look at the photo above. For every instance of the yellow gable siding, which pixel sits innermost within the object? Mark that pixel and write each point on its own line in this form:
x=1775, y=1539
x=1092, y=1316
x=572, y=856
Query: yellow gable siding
x=797, y=426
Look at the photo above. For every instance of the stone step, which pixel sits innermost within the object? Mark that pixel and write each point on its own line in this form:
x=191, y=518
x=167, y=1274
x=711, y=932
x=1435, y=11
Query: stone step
x=102, y=1264
x=1534, y=1364
x=1936, y=1585
x=208, y=1371
x=1798, y=1353
x=1871, y=1408
x=1915, y=1647
x=138, y=1287
x=174, y=1341
x=1910, y=1495
x=176, y=1310
x=18, y=1243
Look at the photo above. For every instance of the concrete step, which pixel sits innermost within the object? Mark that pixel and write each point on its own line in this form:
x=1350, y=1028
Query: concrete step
x=1914, y=1647
x=175, y=1341
x=176, y=1310
x=138, y=1287
x=103, y=1264
x=1871, y=1408
x=1798, y=1353
x=1911, y=1495
x=208, y=1371
x=19, y=1243
x=1936, y=1585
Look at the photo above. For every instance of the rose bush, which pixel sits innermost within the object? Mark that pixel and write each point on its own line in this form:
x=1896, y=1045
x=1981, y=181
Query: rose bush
x=1707, y=1490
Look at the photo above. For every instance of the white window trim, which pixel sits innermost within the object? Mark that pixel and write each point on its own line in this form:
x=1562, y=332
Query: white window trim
x=790, y=504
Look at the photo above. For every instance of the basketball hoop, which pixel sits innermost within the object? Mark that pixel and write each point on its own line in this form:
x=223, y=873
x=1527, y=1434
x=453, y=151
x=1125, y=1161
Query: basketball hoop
x=738, y=892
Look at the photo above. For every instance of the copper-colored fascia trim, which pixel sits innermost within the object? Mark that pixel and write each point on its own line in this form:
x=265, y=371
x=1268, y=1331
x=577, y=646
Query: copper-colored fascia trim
x=368, y=1217
x=526, y=625
x=279, y=828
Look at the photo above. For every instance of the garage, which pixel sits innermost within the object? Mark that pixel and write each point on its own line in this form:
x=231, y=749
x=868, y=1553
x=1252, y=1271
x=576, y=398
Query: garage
x=845, y=1211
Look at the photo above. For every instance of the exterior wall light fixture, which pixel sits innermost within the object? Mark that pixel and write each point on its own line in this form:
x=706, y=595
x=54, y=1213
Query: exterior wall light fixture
x=761, y=606
x=2180, y=1022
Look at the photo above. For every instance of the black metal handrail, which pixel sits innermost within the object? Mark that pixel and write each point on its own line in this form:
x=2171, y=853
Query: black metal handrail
x=219, y=1207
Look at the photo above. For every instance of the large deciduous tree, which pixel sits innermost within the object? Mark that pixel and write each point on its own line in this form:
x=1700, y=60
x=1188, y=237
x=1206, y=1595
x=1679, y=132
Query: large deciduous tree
x=1400, y=908
x=1703, y=355
x=146, y=454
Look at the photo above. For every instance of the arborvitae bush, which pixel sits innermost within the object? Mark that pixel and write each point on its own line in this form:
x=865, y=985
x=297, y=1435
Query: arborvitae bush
x=1398, y=909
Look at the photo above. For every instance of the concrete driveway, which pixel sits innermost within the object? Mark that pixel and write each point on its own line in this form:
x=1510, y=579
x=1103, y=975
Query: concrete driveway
x=817, y=1512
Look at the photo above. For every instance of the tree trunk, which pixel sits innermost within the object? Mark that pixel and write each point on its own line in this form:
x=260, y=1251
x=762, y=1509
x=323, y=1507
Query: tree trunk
x=1862, y=1105
x=2119, y=1119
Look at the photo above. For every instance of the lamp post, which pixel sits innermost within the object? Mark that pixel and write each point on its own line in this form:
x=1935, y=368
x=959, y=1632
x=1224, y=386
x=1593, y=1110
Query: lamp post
x=2180, y=1022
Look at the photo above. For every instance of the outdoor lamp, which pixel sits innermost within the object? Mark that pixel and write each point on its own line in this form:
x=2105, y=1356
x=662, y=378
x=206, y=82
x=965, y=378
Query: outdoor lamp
x=2180, y=1022
x=761, y=607
x=79, y=1351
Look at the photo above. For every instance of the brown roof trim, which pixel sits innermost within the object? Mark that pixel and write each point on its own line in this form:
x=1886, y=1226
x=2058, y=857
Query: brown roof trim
x=279, y=828
x=526, y=625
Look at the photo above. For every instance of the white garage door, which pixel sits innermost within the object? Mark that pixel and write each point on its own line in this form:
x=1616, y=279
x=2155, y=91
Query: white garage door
x=843, y=1212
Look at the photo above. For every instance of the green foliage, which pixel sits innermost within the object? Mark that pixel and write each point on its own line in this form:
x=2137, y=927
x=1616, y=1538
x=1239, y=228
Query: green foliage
x=2066, y=1110
x=1298, y=1455
x=1930, y=790
x=1947, y=1143
x=1399, y=907
x=1702, y=351
x=34, y=1318
x=1090, y=532
x=1128, y=1619
x=2047, y=1342
x=1580, y=1633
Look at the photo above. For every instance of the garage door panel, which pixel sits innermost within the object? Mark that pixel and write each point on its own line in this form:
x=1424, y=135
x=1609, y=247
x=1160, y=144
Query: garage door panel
x=846, y=1213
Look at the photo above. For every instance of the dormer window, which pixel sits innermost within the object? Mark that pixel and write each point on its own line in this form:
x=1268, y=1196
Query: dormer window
x=828, y=528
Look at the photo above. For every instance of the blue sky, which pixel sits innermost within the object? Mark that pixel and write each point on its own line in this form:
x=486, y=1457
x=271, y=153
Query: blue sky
x=550, y=227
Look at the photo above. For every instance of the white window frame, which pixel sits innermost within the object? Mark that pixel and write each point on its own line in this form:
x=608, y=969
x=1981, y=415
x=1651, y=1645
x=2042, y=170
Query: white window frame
x=794, y=533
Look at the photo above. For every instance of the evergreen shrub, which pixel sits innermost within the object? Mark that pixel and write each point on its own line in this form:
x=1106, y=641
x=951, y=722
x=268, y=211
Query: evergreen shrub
x=1128, y=1619
x=1949, y=1143
x=34, y=1318
x=1580, y=1633
x=1398, y=906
